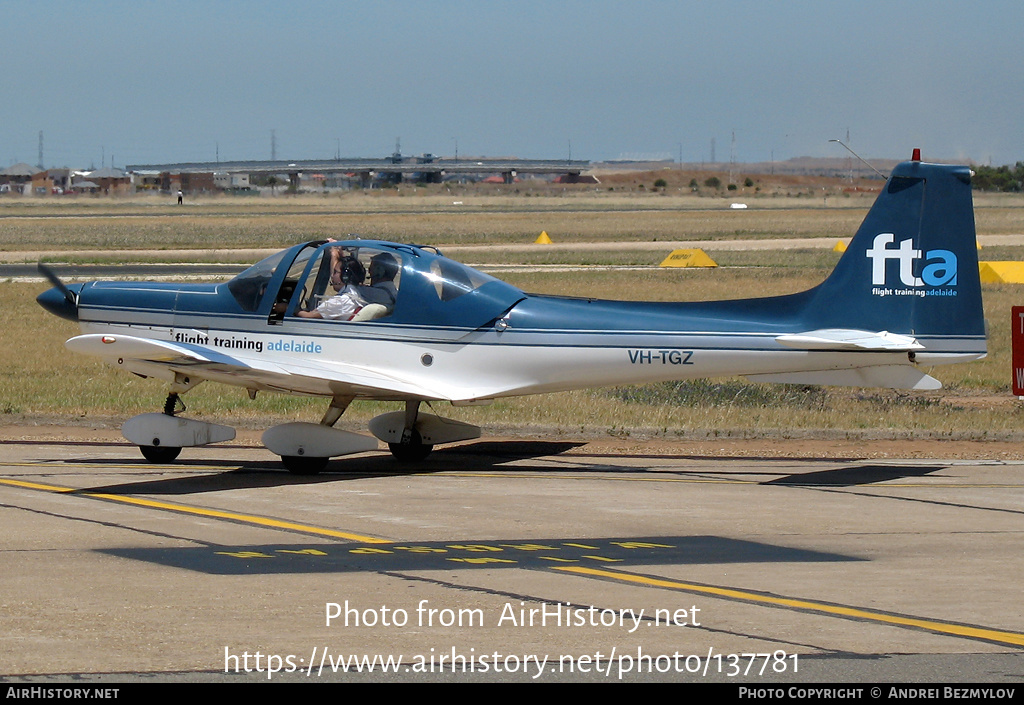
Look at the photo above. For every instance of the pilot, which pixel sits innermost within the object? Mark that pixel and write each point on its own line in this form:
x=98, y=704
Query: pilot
x=347, y=275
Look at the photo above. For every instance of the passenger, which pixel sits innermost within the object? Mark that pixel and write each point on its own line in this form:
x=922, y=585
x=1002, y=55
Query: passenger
x=382, y=289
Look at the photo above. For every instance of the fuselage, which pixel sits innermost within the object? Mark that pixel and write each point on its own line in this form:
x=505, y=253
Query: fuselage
x=490, y=341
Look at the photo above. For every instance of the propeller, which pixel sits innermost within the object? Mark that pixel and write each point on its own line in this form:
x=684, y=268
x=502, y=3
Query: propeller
x=52, y=277
x=66, y=308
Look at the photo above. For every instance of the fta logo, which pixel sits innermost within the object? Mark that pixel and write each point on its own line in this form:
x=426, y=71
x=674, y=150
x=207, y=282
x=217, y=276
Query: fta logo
x=939, y=265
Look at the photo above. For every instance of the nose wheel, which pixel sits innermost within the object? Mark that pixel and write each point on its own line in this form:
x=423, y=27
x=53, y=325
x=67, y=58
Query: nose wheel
x=161, y=436
x=164, y=454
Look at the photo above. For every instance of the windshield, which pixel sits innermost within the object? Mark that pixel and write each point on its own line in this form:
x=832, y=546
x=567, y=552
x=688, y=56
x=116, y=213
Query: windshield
x=249, y=287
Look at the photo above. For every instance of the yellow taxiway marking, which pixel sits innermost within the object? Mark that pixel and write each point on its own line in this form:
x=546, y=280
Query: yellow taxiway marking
x=34, y=485
x=197, y=511
x=963, y=630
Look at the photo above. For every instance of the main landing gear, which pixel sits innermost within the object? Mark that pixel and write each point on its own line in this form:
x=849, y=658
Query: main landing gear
x=305, y=448
x=410, y=447
x=411, y=436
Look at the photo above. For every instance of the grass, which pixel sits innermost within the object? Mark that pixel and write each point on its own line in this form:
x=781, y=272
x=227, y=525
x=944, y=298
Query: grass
x=61, y=227
x=279, y=230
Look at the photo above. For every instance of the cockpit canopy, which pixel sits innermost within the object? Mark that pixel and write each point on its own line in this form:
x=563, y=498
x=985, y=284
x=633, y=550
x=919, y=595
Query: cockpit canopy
x=391, y=282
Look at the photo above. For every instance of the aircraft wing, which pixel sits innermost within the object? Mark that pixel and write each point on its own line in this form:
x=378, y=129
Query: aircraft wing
x=329, y=377
x=844, y=339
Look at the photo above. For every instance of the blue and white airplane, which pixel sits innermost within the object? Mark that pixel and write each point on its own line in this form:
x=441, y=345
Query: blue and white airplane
x=419, y=327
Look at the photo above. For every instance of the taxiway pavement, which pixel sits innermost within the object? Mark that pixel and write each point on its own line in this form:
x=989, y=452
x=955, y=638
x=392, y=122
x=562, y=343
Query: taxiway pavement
x=526, y=560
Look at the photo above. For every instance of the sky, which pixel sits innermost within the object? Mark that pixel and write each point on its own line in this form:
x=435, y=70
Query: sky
x=120, y=83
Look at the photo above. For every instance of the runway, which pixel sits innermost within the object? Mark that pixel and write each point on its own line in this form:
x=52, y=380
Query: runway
x=515, y=560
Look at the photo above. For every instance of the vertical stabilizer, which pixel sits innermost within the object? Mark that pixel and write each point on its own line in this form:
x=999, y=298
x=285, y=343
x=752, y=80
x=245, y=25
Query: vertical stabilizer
x=912, y=267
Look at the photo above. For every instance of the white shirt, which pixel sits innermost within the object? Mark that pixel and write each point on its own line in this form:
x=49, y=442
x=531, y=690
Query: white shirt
x=342, y=306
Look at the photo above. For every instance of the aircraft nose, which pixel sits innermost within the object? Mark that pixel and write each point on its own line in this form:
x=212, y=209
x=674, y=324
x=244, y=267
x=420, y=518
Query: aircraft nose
x=59, y=304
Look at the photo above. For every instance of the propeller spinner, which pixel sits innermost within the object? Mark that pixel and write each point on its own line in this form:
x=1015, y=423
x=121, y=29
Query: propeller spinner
x=60, y=300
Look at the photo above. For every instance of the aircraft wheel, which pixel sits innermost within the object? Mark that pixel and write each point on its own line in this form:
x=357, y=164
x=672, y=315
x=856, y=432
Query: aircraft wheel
x=411, y=452
x=160, y=454
x=303, y=465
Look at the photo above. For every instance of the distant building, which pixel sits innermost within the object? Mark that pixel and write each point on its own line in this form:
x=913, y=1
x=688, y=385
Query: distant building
x=228, y=181
x=59, y=180
x=146, y=180
x=189, y=182
x=30, y=181
x=111, y=180
x=17, y=178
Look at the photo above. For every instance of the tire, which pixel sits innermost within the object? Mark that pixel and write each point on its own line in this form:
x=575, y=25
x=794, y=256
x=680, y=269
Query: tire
x=412, y=452
x=303, y=465
x=160, y=454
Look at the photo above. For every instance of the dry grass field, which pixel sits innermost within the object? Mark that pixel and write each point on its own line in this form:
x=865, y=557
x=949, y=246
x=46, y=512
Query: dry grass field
x=40, y=381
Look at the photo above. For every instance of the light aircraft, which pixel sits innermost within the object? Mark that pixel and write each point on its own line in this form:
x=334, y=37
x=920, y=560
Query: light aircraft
x=905, y=294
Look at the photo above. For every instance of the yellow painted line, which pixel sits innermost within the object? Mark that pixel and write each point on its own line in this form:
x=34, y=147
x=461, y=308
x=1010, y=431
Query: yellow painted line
x=961, y=630
x=198, y=511
x=34, y=485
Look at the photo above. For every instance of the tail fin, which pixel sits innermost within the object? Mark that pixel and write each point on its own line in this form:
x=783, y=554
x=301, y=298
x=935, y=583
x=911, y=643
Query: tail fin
x=912, y=267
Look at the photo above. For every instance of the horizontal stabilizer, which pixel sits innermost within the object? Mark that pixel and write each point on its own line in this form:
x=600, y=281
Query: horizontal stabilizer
x=889, y=376
x=844, y=339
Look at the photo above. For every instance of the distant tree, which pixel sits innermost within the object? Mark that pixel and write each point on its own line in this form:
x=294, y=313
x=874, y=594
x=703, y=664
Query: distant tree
x=661, y=183
x=999, y=178
x=713, y=182
x=732, y=187
x=748, y=182
x=263, y=180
